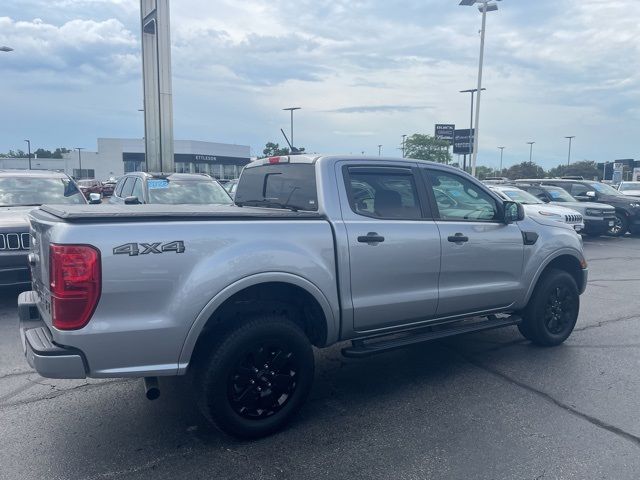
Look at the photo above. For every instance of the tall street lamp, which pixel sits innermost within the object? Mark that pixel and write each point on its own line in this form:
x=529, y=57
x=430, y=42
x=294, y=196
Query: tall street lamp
x=80, y=159
x=569, y=157
x=379, y=150
x=29, y=149
x=530, y=150
x=501, y=152
x=6, y=49
x=404, y=137
x=485, y=6
x=472, y=91
x=292, y=109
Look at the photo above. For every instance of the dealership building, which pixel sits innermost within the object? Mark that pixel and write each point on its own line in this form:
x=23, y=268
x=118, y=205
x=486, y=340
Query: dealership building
x=116, y=156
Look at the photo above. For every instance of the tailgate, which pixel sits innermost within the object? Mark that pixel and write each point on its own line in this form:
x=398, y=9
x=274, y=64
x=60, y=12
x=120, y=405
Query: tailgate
x=39, y=261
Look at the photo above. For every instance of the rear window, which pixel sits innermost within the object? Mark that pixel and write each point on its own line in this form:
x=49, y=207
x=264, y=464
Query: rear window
x=27, y=191
x=277, y=186
x=176, y=192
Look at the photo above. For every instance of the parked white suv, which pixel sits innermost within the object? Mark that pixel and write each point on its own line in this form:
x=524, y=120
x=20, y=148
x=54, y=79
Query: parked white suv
x=535, y=207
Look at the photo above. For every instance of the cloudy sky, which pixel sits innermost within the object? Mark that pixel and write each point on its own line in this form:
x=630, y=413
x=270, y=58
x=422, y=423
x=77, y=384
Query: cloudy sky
x=364, y=71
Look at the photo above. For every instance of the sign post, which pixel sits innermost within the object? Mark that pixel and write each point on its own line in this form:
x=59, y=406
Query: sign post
x=156, y=77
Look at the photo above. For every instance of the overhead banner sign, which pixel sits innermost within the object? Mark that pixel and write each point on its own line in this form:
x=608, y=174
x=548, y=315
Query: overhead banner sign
x=445, y=131
x=463, y=141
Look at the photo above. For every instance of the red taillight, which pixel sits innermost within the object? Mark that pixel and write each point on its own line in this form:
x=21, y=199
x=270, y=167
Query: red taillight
x=273, y=160
x=76, y=283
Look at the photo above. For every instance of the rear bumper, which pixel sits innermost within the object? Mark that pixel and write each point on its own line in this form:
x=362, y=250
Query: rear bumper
x=43, y=355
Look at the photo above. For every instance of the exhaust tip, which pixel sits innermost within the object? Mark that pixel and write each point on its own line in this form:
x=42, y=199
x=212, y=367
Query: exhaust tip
x=151, y=388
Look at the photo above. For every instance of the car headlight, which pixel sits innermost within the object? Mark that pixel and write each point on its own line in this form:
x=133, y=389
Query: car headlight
x=593, y=213
x=549, y=214
x=634, y=205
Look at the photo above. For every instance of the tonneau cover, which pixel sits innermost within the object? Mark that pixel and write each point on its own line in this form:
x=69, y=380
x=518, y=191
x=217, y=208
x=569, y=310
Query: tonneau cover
x=132, y=213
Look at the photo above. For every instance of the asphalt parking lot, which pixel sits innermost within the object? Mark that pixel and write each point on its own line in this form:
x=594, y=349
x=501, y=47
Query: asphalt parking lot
x=485, y=406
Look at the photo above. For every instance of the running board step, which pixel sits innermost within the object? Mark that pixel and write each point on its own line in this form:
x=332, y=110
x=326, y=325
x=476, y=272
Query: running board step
x=366, y=347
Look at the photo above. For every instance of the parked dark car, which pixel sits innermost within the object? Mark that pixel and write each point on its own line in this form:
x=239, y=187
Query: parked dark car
x=89, y=186
x=598, y=217
x=627, y=217
x=20, y=192
x=176, y=188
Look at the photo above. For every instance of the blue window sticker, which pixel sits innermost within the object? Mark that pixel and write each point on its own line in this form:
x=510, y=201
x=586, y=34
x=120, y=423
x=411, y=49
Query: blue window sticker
x=156, y=184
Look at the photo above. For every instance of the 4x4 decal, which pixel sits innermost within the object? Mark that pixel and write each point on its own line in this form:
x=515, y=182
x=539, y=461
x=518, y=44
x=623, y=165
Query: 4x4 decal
x=135, y=249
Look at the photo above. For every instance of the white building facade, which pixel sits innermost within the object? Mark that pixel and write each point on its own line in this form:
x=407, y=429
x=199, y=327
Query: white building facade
x=116, y=156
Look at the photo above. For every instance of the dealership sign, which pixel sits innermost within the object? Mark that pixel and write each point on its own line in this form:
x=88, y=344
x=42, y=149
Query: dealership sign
x=463, y=141
x=445, y=131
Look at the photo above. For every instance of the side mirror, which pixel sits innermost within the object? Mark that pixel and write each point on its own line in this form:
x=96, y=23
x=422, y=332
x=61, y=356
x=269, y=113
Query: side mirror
x=95, y=198
x=591, y=194
x=132, y=201
x=513, y=212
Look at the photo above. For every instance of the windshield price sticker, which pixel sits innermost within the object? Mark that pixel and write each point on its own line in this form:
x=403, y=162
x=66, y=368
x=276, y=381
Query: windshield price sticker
x=156, y=184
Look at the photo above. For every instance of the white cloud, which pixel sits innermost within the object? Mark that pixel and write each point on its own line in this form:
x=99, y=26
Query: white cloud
x=363, y=70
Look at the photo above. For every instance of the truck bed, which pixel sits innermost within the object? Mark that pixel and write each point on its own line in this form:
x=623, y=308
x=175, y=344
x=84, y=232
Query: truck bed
x=138, y=213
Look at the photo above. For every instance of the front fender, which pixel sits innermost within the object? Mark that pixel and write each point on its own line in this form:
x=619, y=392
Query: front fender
x=577, y=254
x=198, y=325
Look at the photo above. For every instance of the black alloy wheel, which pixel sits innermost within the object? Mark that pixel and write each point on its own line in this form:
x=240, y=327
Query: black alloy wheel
x=264, y=381
x=560, y=310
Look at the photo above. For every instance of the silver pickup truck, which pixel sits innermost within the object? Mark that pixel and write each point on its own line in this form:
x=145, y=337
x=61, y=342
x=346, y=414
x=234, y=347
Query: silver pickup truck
x=317, y=250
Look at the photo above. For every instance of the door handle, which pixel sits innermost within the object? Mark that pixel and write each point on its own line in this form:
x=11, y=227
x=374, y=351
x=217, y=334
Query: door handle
x=371, y=237
x=458, y=238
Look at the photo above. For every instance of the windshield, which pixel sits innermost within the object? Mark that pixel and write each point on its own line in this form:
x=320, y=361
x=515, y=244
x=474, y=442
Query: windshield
x=626, y=186
x=29, y=191
x=604, y=189
x=521, y=196
x=560, y=195
x=187, y=192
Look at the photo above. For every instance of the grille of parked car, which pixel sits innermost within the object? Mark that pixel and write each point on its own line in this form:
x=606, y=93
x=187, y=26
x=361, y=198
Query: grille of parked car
x=14, y=241
x=573, y=218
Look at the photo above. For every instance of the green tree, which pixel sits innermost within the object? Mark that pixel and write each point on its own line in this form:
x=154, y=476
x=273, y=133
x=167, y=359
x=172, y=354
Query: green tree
x=427, y=147
x=42, y=153
x=59, y=151
x=483, y=172
x=525, y=170
x=586, y=169
x=273, y=150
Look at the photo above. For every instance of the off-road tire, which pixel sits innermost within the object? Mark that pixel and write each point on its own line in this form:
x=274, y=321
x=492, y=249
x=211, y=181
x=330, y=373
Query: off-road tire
x=553, y=309
x=222, y=374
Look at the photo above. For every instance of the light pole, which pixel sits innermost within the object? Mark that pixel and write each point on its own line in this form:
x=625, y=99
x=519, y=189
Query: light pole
x=292, y=109
x=501, y=152
x=486, y=6
x=569, y=157
x=29, y=149
x=6, y=49
x=80, y=159
x=379, y=150
x=472, y=91
x=404, y=137
x=530, y=150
